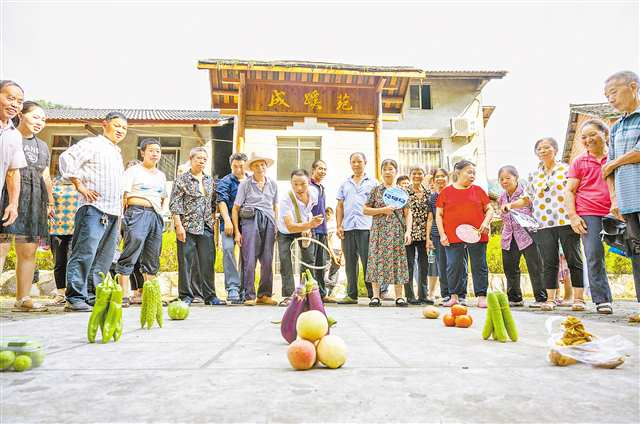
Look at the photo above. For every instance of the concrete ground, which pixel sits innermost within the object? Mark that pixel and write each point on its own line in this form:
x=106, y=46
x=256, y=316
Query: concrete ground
x=228, y=364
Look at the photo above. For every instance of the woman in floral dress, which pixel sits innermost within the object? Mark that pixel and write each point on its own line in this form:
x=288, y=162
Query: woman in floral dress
x=390, y=233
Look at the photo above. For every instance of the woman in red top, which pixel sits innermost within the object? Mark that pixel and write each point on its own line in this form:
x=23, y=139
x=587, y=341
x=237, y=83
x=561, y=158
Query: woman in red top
x=464, y=203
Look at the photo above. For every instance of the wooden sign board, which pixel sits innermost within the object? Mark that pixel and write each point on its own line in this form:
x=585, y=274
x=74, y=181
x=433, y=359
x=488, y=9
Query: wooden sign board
x=310, y=100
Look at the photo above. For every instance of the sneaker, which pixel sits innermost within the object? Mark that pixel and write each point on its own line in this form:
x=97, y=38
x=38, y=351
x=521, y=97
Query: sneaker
x=347, y=301
x=430, y=301
x=463, y=301
x=197, y=300
x=516, y=304
x=215, y=302
x=444, y=300
x=482, y=302
x=237, y=301
x=449, y=303
x=77, y=307
x=416, y=302
x=266, y=300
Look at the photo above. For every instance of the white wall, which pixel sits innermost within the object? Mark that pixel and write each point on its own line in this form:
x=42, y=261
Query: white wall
x=335, y=149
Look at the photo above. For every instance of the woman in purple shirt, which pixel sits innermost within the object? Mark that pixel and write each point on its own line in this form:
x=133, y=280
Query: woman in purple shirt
x=516, y=242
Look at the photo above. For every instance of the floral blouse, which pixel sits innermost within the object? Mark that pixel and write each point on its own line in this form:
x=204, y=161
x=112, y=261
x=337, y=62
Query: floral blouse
x=195, y=209
x=420, y=207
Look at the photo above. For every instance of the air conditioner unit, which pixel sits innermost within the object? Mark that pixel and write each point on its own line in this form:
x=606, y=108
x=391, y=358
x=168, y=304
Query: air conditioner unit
x=463, y=127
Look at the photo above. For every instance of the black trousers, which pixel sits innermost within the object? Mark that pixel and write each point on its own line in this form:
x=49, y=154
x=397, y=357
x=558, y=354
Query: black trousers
x=60, y=249
x=511, y=265
x=547, y=240
x=321, y=257
x=633, y=240
x=356, y=245
x=198, y=246
x=417, y=248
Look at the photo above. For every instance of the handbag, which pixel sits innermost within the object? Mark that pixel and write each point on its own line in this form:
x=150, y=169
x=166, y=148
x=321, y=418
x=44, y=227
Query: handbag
x=247, y=212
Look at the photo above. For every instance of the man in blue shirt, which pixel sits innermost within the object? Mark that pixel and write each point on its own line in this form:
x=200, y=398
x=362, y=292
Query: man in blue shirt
x=623, y=169
x=318, y=172
x=353, y=226
x=227, y=189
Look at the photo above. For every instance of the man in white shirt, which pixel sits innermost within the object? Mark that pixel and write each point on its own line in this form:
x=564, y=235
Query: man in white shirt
x=145, y=191
x=94, y=166
x=11, y=152
x=296, y=220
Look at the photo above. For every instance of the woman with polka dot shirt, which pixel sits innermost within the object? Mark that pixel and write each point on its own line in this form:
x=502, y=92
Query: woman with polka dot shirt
x=545, y=193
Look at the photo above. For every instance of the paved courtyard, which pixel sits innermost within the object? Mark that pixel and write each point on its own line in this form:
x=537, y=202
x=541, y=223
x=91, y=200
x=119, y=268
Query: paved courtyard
x=228, y=364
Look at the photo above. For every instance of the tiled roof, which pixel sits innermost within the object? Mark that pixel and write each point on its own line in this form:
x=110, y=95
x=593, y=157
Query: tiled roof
x=137, y=115
x=326, y=66
x=600, y=110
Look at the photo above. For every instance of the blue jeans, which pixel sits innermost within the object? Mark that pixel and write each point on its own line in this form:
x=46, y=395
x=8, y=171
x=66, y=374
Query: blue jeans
x=92, y=250
x=231, y=274
x=457, y=268
x=142, y=241
x=594, y=251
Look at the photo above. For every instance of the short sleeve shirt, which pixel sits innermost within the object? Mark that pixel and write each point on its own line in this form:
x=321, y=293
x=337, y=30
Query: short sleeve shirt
x=11, y=152
x=354, y=196
x=286, y=208
x=250, y=195
x=462, y=206
x=151, y=186
x=546, y=193
x=592, y=193
x=625, y=137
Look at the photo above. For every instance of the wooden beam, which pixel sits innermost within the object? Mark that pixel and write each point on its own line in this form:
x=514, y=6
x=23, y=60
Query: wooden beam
x=412, y=73
x=220, y=92
x=91, y=129
x=198, y=135
x=393, y=99
x=309, y=84
x=242, y=107
x=377, y=127
x=305, y=114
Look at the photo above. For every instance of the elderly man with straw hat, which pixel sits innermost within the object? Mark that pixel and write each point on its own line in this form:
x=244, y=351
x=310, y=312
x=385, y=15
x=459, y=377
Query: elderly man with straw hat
x=254, y=221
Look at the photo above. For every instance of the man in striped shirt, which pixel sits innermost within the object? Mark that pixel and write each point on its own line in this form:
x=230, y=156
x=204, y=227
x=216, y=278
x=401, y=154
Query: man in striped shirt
x=94, y=166
x=622, y=171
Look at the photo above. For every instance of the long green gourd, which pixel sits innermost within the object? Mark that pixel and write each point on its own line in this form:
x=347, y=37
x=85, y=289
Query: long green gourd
x=507, y=317
x=488, y=327
x=493, y=309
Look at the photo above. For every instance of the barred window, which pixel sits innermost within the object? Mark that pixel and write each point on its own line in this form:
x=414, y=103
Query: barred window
x=424, y=152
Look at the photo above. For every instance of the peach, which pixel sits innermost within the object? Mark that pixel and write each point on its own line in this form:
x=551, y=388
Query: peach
x=301, y=354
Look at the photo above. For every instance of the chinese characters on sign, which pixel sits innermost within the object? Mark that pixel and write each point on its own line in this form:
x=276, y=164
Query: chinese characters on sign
x=312, y=99
x=329, y=101
x=344, y=103
x=278, y=98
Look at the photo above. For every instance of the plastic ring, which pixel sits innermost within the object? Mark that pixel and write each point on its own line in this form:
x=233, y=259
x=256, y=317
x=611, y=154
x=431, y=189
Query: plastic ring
x=311, y=239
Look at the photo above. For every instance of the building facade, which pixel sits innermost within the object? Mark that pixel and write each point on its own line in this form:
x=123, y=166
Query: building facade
x=297, y=112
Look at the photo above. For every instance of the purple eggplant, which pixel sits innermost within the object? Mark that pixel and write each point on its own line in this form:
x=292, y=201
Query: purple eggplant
x=297, y=306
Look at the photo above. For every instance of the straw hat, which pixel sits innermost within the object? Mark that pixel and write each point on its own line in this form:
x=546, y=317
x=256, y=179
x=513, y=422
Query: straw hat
x=256, y=158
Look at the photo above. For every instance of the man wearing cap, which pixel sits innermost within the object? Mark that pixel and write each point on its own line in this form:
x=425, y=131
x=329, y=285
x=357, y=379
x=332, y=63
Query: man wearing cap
x=94, y=166
x=254, y=224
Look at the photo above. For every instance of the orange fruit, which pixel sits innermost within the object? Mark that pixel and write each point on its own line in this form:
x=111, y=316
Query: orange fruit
x=458, y=310
x=449, y=320
x=463, y=321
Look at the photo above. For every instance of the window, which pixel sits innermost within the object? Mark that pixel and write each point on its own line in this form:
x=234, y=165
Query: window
x=296, y=152
x=60, y=144
x=170, y=159
x=420, y=96
x=423, y=152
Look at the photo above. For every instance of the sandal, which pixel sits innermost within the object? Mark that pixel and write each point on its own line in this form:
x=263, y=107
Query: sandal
x=604, y=308
x=578, y=305
x=375, y=302
x=126, y=302
x=548, y=306
x=285, y=302
x=26, y=304
x=58, y=300
x=400, y=302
